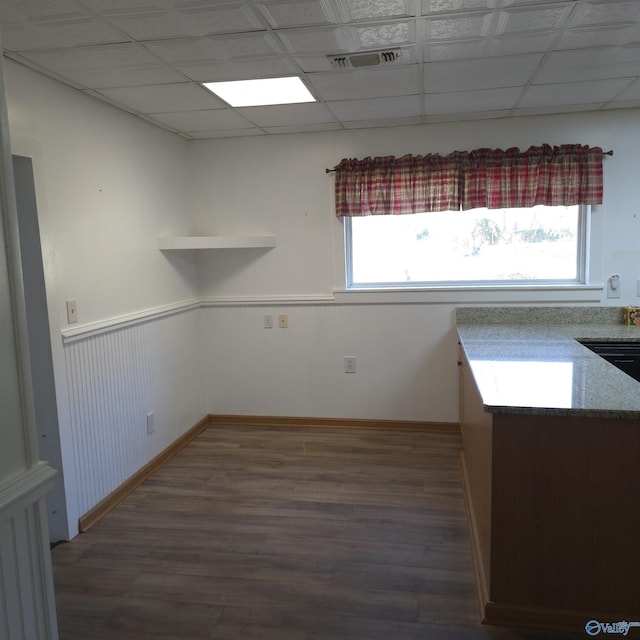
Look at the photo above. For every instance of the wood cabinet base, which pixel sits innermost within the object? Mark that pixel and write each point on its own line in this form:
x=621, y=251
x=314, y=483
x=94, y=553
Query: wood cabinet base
x=554, y=515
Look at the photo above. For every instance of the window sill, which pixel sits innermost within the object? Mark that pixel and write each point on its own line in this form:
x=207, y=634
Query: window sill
x=472, y=294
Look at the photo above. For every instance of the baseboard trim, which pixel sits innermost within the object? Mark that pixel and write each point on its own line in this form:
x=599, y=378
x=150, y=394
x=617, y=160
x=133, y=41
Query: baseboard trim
x=122, y=491
x=333, y=423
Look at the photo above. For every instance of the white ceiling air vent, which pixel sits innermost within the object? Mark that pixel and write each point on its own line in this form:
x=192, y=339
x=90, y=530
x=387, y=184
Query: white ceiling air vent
x=367, y=59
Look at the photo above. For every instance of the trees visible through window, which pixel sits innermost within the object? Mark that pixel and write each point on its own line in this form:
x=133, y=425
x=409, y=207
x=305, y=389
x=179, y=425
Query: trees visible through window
x=541, y=244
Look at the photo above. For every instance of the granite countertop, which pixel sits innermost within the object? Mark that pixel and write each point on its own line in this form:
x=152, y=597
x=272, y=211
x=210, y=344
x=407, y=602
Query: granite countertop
x=530, y=360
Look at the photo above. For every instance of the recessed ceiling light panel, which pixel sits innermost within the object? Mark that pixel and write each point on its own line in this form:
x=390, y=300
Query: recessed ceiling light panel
x=265, y=91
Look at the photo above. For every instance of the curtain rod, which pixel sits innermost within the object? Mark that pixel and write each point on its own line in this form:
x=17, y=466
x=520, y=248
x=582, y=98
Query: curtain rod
x=604, y=153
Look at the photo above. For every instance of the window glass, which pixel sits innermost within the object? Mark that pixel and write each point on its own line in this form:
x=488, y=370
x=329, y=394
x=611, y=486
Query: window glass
x=536, y=245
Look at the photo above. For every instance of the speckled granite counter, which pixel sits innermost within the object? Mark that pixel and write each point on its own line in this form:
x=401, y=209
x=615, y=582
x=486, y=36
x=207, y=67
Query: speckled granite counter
x=551, y=443
x=530, y=360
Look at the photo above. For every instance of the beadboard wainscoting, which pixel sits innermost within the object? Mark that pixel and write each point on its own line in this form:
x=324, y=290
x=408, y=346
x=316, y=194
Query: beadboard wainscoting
x=27, y=609
x=119, y=372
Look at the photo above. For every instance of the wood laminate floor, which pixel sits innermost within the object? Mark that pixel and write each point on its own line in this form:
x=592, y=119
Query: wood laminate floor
x=283, y=534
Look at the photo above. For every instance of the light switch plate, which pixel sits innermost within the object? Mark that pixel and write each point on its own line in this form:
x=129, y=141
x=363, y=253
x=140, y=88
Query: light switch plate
x=72, y=311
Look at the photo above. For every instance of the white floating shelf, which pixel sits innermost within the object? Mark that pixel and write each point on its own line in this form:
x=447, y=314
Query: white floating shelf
x=216, y=242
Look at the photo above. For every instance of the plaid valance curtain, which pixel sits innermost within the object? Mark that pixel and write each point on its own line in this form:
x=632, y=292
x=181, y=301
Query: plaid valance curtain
x=491, y=178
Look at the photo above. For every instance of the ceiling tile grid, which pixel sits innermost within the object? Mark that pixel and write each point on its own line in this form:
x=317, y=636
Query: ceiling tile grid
x=454, y=59
x=164, y=97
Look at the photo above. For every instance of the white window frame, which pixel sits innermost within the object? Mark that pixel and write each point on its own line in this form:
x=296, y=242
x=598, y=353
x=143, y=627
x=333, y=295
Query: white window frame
x=587, y=258
x=591, y=292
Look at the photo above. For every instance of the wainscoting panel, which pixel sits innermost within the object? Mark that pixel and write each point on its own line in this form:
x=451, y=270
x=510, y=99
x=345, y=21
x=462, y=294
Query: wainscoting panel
x=115, y=379
x=27, y=607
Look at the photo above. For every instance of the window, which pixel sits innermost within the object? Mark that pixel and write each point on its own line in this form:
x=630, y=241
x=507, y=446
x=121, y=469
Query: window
x=537, y=245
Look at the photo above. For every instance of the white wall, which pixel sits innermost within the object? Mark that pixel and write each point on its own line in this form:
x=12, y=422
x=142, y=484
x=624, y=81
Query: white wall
x=107, y=184
x=406, y=352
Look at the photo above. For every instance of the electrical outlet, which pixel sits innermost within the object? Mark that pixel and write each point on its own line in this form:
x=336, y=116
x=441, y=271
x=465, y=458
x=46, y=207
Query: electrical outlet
x=268, y=321
x=349, y=364
x=151, y=423
x=283, y=321
x=72, y=311
x=613, y=286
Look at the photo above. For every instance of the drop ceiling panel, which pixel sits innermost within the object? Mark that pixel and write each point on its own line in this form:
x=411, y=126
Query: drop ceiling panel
x=456, y=50
x=65, y=33
x=522, y=43
x=115, y=7
x=314, y=63
x=287, y=114
x=459, y=58
x=378, y=9
x=607, y=12
x=380, y=36
x=480, y=74
x=575, y=93
x=366, y=83
x=384, y=122
x=225, y=133
x=446, y=6
x=23, y=11
x=562, y=108
x=460, y=102
x=216, y=48
x=467, y=116
x=292, y=13
x=160, y=98
x=377, y=108
x=249, y=45
x=590, y=64
x=471, y=25
x=632, y=92
x=211, y=120
x=519, y=3
x=117, y=65
x=326, y=41
x=224, y=19
x=186, y=50
x=132, y=76
x=98, y=58
x=239, y=70
x=304, y=128
x=599, y=37
x=177, y=24
x=153, y=26
x=528, y=19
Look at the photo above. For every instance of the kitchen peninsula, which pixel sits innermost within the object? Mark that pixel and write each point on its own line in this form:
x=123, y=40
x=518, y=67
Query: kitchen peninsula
x=551, y=465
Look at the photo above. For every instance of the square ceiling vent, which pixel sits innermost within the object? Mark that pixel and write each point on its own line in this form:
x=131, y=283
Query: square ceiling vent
x=367, y=59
